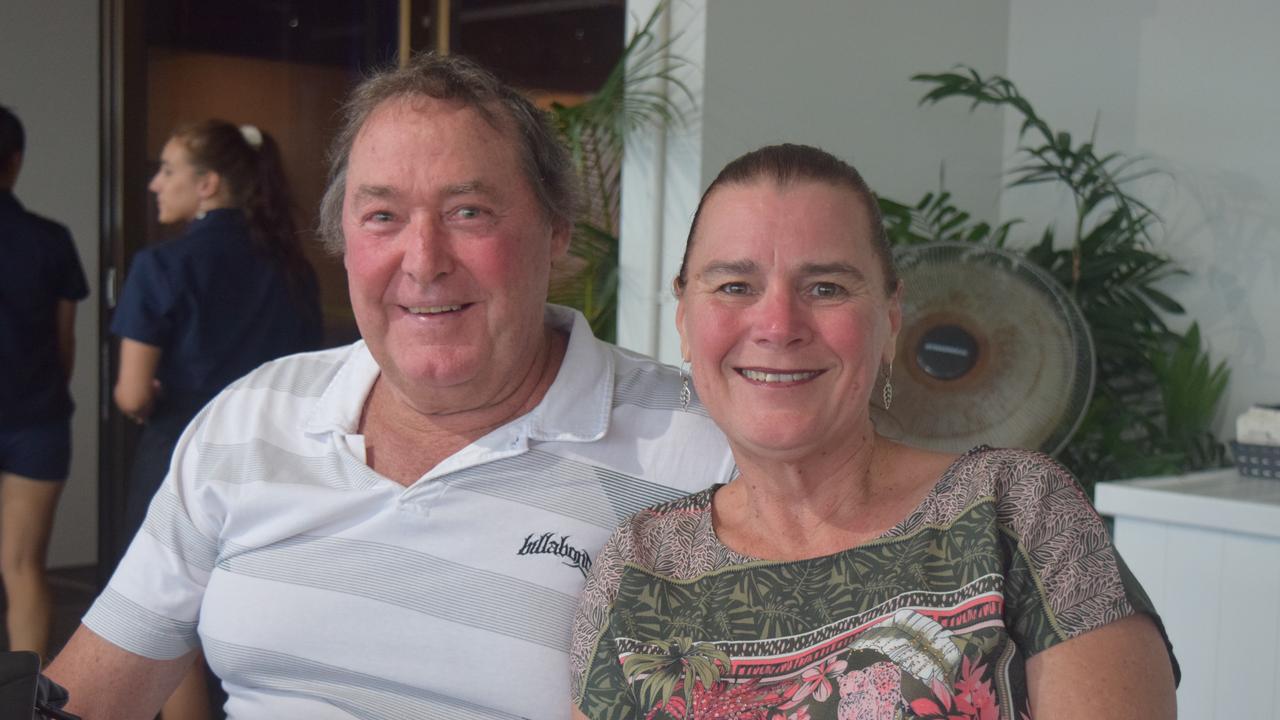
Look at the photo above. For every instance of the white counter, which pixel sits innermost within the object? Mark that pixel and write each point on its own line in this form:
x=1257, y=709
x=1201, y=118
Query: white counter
x=1206, y=546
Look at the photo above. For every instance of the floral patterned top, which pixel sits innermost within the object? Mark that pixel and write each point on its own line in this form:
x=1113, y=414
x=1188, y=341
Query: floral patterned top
x=934, y=619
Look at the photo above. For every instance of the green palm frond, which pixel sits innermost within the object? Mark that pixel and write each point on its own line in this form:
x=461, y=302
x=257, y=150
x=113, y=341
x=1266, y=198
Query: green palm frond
x=1157, y=391
x=642, y=90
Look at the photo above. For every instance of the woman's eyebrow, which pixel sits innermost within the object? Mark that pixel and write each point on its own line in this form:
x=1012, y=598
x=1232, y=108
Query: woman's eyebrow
x=730, y=267
x=835, y=268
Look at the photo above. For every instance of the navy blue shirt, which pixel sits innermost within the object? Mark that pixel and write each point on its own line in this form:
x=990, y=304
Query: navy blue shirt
x=41, y=269
x=215, y=308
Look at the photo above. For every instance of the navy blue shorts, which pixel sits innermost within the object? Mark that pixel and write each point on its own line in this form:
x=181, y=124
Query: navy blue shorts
x=39, y=452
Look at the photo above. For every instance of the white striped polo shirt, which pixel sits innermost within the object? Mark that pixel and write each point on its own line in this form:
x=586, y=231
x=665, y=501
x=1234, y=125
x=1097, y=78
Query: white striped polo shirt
x=320, y=589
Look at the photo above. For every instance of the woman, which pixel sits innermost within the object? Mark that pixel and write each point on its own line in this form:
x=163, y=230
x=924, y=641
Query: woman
x=843, y=575
x=234, y=291
x=38, y=299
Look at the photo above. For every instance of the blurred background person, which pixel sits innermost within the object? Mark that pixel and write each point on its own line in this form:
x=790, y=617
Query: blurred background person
x=38, y=298
x=232, y=292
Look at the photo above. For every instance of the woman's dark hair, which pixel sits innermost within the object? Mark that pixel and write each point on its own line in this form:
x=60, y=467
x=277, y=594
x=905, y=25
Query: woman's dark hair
x=787, y=164
x=253, y=175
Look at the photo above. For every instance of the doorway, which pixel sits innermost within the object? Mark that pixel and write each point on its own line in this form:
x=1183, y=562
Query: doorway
x=285, y=66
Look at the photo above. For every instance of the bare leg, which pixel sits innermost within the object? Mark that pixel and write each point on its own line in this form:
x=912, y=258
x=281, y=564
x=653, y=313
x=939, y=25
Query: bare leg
x=190, y=700
x=26, y=519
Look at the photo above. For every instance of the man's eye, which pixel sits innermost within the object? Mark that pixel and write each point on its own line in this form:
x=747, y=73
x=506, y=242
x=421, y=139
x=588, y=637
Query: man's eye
x=827, y=290
x=734, y=288
x=468, y=212
x=380, y=216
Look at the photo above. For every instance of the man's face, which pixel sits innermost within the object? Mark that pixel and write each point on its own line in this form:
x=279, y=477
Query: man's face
x=448, y=254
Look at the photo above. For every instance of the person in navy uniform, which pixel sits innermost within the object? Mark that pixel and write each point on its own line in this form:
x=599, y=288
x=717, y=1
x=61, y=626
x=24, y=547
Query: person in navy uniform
x=234, y=291
x=38, y=296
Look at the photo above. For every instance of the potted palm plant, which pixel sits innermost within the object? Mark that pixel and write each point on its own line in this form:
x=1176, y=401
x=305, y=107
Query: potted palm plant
x=1157, y=389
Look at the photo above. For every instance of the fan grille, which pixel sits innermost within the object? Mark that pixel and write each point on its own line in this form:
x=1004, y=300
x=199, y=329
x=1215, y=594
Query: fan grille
x=993, y=350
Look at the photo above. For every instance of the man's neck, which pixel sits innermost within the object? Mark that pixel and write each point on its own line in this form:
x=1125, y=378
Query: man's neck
x=404, y=444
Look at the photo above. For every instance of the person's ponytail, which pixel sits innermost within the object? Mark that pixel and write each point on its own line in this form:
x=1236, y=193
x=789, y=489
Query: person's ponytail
x=269, y=210
x=248, y=162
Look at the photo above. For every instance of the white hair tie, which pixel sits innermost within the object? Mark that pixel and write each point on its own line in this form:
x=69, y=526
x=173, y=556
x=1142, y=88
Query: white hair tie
x=252, y=135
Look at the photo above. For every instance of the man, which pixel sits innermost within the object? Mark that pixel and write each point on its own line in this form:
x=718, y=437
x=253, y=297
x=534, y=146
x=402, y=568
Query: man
x=400, y=528
x=38, y=296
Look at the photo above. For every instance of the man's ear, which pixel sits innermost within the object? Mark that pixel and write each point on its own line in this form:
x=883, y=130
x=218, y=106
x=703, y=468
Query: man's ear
x=561, y=236
x=10, y=169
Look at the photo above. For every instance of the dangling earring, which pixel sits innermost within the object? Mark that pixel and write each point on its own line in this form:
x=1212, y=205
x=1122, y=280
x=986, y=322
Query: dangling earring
x=887, y=395
x=686, y=391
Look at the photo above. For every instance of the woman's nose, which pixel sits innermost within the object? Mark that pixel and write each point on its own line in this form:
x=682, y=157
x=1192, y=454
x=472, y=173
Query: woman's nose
x=781, y=319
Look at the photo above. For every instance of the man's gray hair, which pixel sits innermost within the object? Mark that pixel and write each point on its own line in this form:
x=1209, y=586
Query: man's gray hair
x=546, y=163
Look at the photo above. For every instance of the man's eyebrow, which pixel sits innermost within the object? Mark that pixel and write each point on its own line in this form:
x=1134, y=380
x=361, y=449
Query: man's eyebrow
x=374, y=192
x=470, y=187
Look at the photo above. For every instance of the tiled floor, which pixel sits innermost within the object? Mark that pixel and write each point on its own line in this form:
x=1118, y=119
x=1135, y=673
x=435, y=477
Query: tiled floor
x=73, y=592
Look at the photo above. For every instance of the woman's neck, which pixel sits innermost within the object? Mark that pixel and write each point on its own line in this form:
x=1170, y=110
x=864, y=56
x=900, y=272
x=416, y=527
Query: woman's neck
x=821, y=504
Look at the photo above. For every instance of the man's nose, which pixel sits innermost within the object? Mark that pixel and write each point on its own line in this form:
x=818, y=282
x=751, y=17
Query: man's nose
x=427, y=254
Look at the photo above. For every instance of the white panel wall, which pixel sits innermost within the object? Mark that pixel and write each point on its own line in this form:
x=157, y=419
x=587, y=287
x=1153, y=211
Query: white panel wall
x=1216, y=593
x=49, y=56
x=1192, y=86
x=831, y=73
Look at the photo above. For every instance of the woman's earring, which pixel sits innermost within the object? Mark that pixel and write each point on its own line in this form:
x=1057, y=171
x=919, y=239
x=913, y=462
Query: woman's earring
x=887, y=395
x=686, y=391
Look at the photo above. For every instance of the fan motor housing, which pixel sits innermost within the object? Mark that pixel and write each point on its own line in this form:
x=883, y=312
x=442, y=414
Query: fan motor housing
x=945, y=349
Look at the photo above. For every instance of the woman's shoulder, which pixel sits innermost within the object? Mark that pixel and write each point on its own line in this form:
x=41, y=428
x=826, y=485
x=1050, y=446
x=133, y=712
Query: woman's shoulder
x=674, y=538
x=1015, y=481
x=1000, y=470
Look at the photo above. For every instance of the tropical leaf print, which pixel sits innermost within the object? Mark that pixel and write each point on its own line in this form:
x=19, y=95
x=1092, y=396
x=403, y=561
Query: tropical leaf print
x=680, y=664
x=932, y=618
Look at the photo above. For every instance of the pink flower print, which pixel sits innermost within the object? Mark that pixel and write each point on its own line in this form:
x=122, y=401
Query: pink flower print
x=723, y=701
x=801, y=714
x=873, y=693
x=971, y=699
x=973, y=695
x=815, y=680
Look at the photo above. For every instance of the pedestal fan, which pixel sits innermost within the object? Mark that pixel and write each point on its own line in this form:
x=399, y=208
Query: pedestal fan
x=993, y=350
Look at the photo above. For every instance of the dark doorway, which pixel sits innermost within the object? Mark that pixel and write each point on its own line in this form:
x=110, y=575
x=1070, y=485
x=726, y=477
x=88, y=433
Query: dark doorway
x=285, y=65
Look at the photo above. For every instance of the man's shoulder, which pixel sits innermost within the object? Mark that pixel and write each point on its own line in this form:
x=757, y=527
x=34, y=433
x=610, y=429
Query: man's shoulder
x=641, y=381
x=305, y=374
x=290, y=383
x=36, y=227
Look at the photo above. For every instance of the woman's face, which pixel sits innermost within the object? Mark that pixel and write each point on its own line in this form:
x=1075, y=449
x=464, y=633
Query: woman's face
x=178, y=185
x=785, y=319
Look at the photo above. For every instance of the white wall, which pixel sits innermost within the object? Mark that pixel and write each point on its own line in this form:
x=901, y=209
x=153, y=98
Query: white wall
x=1188, y=84
x=49, y=56
x=1193, y=87
x=830, y=73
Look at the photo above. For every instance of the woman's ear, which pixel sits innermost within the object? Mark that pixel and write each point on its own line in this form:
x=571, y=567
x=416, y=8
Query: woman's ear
x=895, y=324
x=684, y=343
x=209, y=185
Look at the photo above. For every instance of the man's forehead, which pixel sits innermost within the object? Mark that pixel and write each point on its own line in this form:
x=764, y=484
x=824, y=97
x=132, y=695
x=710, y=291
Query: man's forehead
x=427, y=114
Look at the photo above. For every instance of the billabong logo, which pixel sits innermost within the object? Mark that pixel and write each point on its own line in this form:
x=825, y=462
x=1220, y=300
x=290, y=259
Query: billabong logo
x=548, y=544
